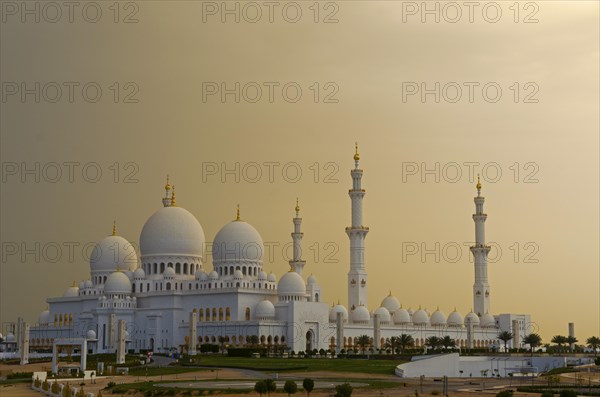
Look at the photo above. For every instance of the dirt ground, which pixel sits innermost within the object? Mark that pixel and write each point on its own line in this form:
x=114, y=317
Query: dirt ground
x=408, y=387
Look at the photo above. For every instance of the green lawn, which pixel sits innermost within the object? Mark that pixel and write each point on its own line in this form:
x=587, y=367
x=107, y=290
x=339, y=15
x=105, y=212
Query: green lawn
x=156, y=371
x=385, y=367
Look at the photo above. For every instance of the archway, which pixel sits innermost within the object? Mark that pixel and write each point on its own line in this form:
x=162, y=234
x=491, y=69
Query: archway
x=309, y=341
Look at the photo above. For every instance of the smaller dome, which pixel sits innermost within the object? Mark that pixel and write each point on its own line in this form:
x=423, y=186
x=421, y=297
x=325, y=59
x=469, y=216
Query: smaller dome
x=10, y=338
x=312, y=280
x=88, y=284
x=262, y=275
x=391, y=303
x=420, y=317
x=169, y=272
x=438, y=318
x=139, y=274
x=272, y=278
x=291, y=284
x=117, y=283
x=361, y=315
x=91, y=334
x=81, y=285
x=411, y=311
x=383, y=314
x=471, y=318
x=338, y=309
x=488, y=321
x=455, y=319
x=401, y=316
x=213, y=275
x=44, y=317
x=71, y=292
x=237, y=274
x=264, y=309
x=201, y=275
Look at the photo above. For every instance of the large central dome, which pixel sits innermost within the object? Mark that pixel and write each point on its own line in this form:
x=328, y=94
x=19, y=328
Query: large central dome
x=172, y=231
x=237, y=241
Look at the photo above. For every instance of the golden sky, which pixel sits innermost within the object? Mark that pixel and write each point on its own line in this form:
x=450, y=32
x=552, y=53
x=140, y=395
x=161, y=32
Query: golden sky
x=361, y=68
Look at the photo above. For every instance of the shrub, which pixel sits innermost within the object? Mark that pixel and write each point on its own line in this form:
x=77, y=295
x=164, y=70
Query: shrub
x=568, y=393
x=81, y=393
x=66, y=391
x=547, y=393
x=505, y=393
x=435, y=392
x=290, y=387
x=37, y=382
x=55, y=389
x=45, y=385
x=343, y=390
x=110, y=384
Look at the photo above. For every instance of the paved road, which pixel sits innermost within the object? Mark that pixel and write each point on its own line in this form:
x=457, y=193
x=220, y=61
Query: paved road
x=249, y=384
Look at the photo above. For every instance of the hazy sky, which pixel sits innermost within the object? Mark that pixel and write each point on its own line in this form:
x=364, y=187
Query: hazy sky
x=517, y=93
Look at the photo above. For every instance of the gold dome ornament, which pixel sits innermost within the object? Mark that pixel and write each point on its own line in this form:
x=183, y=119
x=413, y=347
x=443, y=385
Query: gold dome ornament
x=297, y=205
x=173, y=201
x=356, y=155
x=114, y=231
x=168, y=185
x=478, y=183
x=237, y=217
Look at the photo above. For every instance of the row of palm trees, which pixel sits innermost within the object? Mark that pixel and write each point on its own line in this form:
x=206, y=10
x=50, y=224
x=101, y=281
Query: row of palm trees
x=534, y=341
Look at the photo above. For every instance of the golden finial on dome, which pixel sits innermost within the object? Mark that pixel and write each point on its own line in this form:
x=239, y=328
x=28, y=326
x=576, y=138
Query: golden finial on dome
x=173, y=202
x=356, y=155
x=454, y=308
x=390, y=294
x=118, y=268
x=72, y=285
x=114, y=232
x=438, y=308
x=168, y=185
x=338, y=301
x=237, y=217
x=297, y=205
x=478, y=183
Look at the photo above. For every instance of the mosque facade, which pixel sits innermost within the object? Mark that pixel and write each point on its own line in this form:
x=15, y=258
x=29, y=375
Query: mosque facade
x=170, y=301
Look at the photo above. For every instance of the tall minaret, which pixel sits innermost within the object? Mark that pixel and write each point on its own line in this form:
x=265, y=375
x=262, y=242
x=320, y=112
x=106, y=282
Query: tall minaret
x=357, y=276
x=297, y=264
x=481, y=287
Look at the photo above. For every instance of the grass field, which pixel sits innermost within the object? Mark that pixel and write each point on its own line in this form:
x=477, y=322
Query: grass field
x=385, y=367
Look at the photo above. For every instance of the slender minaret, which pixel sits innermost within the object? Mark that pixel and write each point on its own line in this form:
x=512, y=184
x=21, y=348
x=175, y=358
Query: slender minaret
x=357, y=276
x=297, y=264
x=481, y=287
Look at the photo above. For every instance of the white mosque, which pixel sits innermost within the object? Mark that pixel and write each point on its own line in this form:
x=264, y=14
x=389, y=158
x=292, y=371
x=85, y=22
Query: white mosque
x=169, y=300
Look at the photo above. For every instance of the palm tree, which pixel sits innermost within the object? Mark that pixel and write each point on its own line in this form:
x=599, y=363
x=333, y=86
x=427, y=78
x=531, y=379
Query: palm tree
x=505, y=336
x=559, y=340
x=571, y=340
x=393, y=344
x=448, y=342
x=533, y=340
x=364, y=341
x=593, y=342
x=434, y=342
x=405, y=341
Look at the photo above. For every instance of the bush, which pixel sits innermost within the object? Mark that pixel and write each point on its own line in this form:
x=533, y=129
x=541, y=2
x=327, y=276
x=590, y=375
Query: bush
x=597, y=361
x=37, y=382
x=110, y=384
x=19, y=375
x=505, y=393
x=343, y=390
x=209, y=348
x=568, y=393
x=547, y=393
x=45, y=385
x=55, y=389
x=244, y=351
x=66, y=391
x=435, y=392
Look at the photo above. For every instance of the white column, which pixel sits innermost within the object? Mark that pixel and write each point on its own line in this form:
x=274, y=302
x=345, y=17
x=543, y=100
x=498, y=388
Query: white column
x=121, y=343
x=24, y=348
x=192, y=336
x=339, y=337
x=357, y=276
x=297, y=264
x=481, y=286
